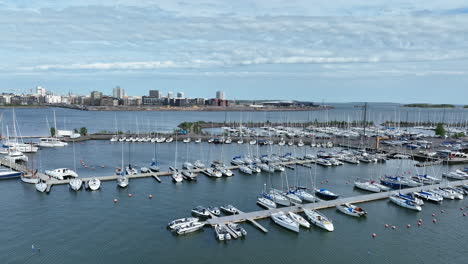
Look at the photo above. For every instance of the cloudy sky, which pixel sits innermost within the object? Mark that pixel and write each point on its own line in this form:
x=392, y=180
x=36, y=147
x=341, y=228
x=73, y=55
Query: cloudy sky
x=334, y=51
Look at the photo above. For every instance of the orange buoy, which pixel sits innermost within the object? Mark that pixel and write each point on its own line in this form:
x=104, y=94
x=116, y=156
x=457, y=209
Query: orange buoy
x=115, y=200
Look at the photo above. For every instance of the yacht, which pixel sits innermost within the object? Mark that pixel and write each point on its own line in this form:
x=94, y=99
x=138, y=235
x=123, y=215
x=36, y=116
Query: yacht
x=75, y=184
x=299, y=219
x=283, y=220
x=429, y=196
x=456, y=175
x=245, y=169
x=382, y=188
x=266, y=168
x=237, y=161
x=444, y=194
x=351, y=210
x=41, y=186
x=187, y=165
x=199, y=165
x=61, y=173
x=412, y=198
x=201, y=211
x=425, y=179
x=181, y=222
x=27, y=178
x=94, y=184
x=367, y=186
x=226, y=172
x=130, y=170
x=228, y=208
x=51, y=143
x=304, y=195
x=176, y=175
x=319, y=220
x=9, y=174
x=455, y=193
x=189, y=228
x=278, y=198
x=213, y=172
x=326, y=194
x=16, y=156
x=293, y=198
x=265, y=202
x=189, y=175
x=122, y=181
x=405, y=203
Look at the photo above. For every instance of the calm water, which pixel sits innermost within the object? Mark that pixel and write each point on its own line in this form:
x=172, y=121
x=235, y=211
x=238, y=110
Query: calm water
x=87, y=227
x=37, y=121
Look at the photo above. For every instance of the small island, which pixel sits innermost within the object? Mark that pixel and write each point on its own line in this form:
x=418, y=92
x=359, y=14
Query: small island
x=430, y=105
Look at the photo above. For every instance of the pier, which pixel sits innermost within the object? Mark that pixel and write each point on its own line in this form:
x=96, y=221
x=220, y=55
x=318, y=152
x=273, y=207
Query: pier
x=261, y=214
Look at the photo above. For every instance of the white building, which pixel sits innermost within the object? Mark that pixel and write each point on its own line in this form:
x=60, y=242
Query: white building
x=53, y=99
x=118, y=92
x=220, y=95
x=40, y=91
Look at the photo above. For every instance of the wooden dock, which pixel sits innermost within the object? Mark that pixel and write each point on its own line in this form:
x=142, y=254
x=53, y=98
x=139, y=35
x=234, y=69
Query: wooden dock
x=251, y=216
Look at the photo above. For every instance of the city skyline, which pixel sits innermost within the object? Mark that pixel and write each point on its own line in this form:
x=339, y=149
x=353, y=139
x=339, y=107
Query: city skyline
x=304, y=50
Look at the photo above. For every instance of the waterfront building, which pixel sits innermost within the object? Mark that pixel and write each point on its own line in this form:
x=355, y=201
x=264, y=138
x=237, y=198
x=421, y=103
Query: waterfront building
x=155, y=93
x=118, y=92
x=220, y=95
x=180, y=95
x=170, y=95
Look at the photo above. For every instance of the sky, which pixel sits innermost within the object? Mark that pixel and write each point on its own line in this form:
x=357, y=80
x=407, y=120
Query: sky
x=333, y=51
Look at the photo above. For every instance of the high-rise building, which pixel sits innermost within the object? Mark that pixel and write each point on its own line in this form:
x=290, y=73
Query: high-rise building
x=155, y=93
x=180, y=95
x=220, y=95
x=170, y=95
x=118, y=93
x=40, y=91
x=96, y=95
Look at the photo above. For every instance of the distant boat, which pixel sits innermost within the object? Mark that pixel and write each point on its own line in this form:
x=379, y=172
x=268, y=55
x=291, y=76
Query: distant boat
x=61, y=173
x=51, y=143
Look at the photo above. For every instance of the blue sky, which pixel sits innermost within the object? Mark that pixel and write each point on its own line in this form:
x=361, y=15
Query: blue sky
x=334, y=51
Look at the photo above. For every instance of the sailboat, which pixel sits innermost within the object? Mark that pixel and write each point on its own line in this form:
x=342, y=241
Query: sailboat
x=319, y=220
x=75, y=183
x=94, y=184
x=51, y=142
x=283, y=220
x=176, y=175
x=41, y=186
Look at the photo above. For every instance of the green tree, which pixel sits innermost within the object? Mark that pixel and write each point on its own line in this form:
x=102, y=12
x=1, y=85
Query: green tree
x=52, y=131
x=83, y=131
x=440, y=130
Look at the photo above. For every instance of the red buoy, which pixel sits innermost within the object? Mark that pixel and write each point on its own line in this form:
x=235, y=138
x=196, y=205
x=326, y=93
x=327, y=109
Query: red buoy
x=150, y=196
x=442, y=211
x=115, y=200
x=386, y=225
x=464, y=214
x=374, y=235
x=408, y=226
x=433, y=215
x=129, y=195
x=393, y=227
x=434, y=220
x=419, y=223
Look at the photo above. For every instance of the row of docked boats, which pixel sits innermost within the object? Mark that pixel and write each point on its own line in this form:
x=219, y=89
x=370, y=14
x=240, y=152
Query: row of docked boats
x=295, y=195
x=292, y=221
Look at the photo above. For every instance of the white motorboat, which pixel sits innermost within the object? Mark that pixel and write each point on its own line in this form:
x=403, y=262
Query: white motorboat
x=240, y=141
x=199, y=165
x=304, y=195
x=299, y=219
x=213, y=172
x=237, y=229
x=245, y=169
x=122, y=181
x=61, y=173
x=145, y=170
x=187, y=140
x=221, y=233
x=405, y=203
x=169, y=140
x=253, y=142
x=22, y=147
x=94, y=184
x=319, y=220
x=41, y=186
x=51, y=143
x=75, y=184
x=444, y=193
x=214, y=210
x=201, y=211
x=177, y=176
x=455, y=193
x=181, y=222
x=283, y=220
x=265, y=202
x=16, y=156
x=189, y=228
x=300, y=143
x=198, y=140
x=367, y=186
x=456, y=175
x=228, y=141
x=189, y=175
x=230, y=209
x=352, y=210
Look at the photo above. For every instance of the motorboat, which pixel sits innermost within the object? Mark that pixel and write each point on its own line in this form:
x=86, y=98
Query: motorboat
x=198, y=140
x=176, y=176
x=299, y=219
x=429, y=196
x=456, y=175
x=30, y=178
x=221, y=233
x=319, y=220
x=199, y=165
x=181, y=222
x=405, y=203
x=201, y=211
x=189, y=228
x=16, y=156
x=94, y=184
x=145, y=170
x=189, y=175
x=237, y=229
x=228, y=140
x=240, y=141
x=304, y=195
x=213, y=172
x=230, y=209
x=130, y=170
x=425, y=179
x=61, y=173
x=283, y=220
x=169, y=140
x=214, y=210
x=41, y=186
x=253, y=142
x=367, y=186
x=352, y=210
x=326, y=194
x=51, y=143
x=122, y=181
x=266, y=203
x=187, y=140
x=75, y=184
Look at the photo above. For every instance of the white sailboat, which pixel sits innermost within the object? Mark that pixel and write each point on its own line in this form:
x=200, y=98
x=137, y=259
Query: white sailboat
x=41, y=186
x=75, y=184
x=61, y=173
x=94, y=184
x=319, y=220
x=283, y=220
x=299, y=219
